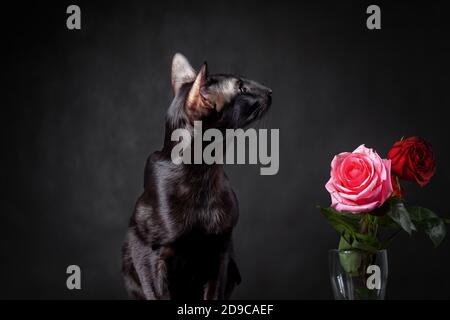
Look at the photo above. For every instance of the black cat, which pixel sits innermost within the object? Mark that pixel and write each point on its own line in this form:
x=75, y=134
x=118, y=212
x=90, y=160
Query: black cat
x=178, y=244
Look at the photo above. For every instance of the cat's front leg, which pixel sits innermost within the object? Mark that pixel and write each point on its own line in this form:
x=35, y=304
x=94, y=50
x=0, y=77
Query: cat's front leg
x=156, y=285
x=215, y=287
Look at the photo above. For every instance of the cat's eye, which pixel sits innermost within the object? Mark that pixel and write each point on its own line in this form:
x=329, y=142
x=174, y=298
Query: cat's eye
x=242, y=88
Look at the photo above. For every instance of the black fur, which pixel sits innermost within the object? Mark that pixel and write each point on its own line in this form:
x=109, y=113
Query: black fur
x=178, y=244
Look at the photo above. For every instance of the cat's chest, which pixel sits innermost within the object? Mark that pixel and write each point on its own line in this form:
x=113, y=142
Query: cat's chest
x=213, y=216
x=212, y=211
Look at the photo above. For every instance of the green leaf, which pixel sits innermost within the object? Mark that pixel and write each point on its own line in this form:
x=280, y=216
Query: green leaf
x=430, y=223
x=342, y=223
x=348, y=227
x=354, y=218
x=400, y=215
x=387, y=222
x=350, y=261
x=366, y=242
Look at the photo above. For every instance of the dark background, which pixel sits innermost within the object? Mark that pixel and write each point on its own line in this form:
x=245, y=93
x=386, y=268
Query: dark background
x=85, y=108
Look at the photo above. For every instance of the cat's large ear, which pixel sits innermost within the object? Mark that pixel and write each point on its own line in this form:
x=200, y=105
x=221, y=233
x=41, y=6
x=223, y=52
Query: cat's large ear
x=197, y=104
x=182, y=72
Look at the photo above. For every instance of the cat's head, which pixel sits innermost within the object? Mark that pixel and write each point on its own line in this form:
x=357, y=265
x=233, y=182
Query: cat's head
x=218, y=100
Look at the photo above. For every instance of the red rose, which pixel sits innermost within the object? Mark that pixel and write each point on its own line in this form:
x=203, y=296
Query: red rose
x=413, y=159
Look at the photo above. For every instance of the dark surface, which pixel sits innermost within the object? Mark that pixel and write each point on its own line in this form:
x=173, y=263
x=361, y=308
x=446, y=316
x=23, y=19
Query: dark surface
x=85, y=108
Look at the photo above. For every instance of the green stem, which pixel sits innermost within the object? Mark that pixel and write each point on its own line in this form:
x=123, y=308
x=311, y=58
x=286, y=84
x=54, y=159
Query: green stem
x=364, y=224
x=368, y=225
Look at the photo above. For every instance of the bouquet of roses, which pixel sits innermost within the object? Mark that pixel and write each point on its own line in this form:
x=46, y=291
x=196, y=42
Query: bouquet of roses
x=368, y=206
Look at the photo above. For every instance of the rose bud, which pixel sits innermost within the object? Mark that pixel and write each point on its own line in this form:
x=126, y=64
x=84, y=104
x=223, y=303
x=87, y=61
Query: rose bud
x=412, y=159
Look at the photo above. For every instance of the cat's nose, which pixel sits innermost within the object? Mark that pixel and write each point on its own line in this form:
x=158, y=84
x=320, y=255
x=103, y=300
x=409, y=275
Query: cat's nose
x=269, y=91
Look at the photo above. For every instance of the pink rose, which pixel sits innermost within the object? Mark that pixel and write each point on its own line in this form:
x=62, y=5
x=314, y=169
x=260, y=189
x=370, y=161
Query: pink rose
x=360, y=181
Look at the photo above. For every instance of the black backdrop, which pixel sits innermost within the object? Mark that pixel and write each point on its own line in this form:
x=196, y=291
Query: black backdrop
x=85, y=108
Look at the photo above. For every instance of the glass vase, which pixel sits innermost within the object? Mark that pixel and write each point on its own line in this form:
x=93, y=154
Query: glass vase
x=358, y=274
